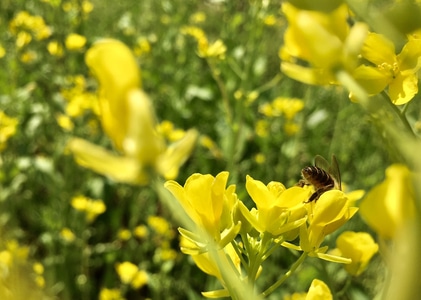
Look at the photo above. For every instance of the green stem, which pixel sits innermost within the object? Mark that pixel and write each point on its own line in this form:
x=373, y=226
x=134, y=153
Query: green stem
x=286, y=276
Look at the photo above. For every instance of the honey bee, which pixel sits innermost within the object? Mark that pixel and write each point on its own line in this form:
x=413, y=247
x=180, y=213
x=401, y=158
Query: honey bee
x=322, y=176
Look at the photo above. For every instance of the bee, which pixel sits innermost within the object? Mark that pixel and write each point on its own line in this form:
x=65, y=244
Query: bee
x=322, y=176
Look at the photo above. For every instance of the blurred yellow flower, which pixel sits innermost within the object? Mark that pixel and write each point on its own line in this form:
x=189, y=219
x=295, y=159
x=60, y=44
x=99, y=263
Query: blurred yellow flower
x=8, y=127
x=269, y=20
x=142, y=46
x=262, y=128
x=65, y=122
x=2, y=51
x=87, y=6
x=23, y=38
x=129, y=273
x=288, y=107
x=390, y=205
x=67, y=235
x=358, y=246
x=141, y=231
x=198, y=17
x=127, y=117
x=324, y=40
x=216, y=49
x=110, y=294
x=24, y=22
x=159, y=224
x=75, y=41
x=55, y=48
x=91, y=207
x=124, y=234
x=397, y=72
x=28, y=57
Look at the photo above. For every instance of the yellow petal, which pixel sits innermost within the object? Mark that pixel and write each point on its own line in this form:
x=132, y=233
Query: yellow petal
x=115, y=67
x=100, y=160
x=403, y=88
x=319, y=291
x=378, y=49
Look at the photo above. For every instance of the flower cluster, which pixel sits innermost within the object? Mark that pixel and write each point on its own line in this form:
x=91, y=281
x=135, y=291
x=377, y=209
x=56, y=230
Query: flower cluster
x=328, y=42
x=280, y=216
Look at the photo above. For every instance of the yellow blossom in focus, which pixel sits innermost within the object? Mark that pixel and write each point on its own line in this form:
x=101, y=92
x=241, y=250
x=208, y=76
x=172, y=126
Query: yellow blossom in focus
x=67, y=235
x=359, y=247
x=325, y=216
x=141, y=231
x=129, y=273
x=75, y=41
x=277, y=208
x=65, y=122
x=127, y=117
x=390, y=205
x=91, y=207
x=8, y=127
x=209, y=204
x=110, y=294
x=55, y=48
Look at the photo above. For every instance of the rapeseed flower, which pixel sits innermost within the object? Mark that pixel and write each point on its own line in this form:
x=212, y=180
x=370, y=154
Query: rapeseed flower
x=8, y=127
x=92, y=208
x=359, y=247
x=75, y=41
x=127, y=117
x=397, y=72
x=210, y=205
x=278, y=210
x=130, y=274
x=324, y=40
x=390, y=205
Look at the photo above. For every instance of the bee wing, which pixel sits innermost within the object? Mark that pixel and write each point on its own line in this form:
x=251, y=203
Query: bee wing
x=332, y=168
x=334, y=171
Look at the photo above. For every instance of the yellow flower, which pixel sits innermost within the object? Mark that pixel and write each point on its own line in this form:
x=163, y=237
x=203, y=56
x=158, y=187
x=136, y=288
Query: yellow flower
x=129, y=273
x=397, y=72
x=141, y=231
x=91, y=207
x=322, y=39
x=208, y=203
x=319, y=290
x=110, y=294
x=390, y=205
x=75, y=41
x=127, y=117
x=326, y=215
x=67, y=235
x=209, y=266
x=55, y=49
x=159, y=224
x=2, y=51
x=288, y=107
x=124, y=234
x=87, y=6
x=7, y=129
x=65, y=122
x=279, y=210
x=358, y=246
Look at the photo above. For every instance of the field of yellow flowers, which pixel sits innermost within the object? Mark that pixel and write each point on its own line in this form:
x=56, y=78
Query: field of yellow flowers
x=174, y=149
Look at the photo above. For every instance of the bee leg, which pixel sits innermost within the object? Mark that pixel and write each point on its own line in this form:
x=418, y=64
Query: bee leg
x=301, y=183
x=314, y=196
